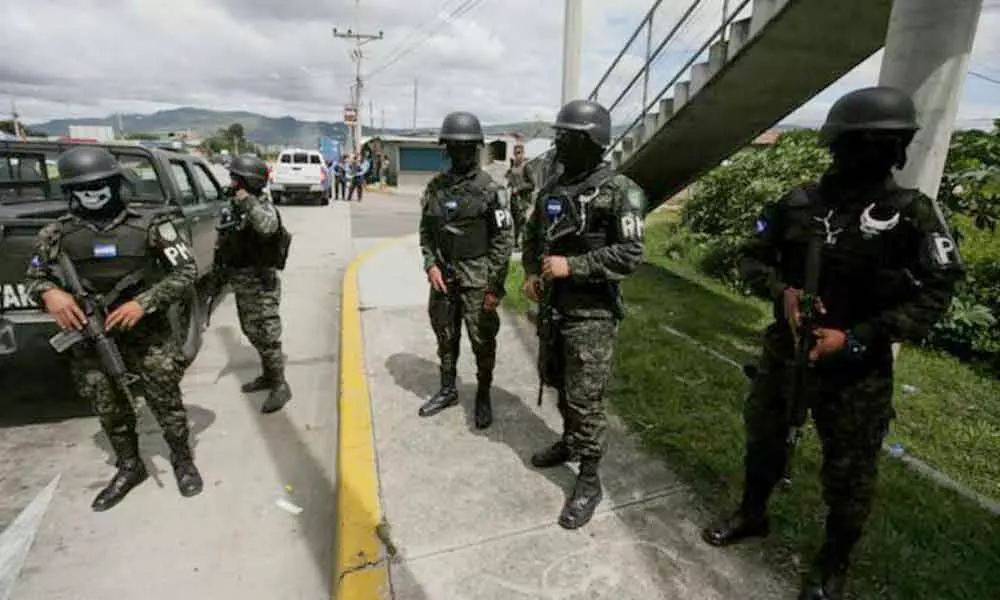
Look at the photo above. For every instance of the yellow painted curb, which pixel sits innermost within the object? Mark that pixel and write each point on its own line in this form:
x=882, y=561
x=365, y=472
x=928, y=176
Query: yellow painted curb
x=360, y=570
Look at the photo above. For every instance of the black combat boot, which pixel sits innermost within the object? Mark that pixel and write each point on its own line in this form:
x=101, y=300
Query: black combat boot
x=737, y=527
x=484, y=406
x=586, y=496
x=279, y=396
x=553, y=456
x=131, y=472
x=445, y=397
x=264, y=381
x=827, y=577
x=189, y=481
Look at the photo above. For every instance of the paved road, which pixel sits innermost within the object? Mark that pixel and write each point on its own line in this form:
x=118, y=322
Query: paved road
x=234, y=540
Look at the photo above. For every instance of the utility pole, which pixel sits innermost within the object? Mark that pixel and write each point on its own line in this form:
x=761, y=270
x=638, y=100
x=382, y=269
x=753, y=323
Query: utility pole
x=371, y=114
x=572, y=42
x=360, y=39
x=415, y=83
x=17, y=124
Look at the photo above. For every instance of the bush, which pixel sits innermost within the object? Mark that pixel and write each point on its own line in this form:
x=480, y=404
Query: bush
x=726, y=203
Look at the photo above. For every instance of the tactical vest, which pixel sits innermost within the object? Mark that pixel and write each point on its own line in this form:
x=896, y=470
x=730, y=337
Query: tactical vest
x=460, y=217
x=576, y=227
x=517, y=178
x=103, y=258
x=241, y=246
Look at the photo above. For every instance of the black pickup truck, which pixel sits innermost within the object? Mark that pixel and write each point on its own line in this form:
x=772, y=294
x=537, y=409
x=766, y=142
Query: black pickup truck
x=159, y=181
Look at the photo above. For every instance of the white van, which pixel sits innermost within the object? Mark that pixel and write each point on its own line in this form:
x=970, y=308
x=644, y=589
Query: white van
x=300, y=174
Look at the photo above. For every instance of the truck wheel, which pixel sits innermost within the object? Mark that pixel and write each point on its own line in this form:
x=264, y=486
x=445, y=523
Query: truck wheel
x=187, y=325
x=324, y=199
x=276, y=197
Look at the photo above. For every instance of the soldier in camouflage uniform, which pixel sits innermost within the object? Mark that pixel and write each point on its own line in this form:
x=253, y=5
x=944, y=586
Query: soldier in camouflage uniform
x=466, y=242
x=140, y=266
x=585, y=236
x=245, y=259
x=888, y=269
x=521, y=183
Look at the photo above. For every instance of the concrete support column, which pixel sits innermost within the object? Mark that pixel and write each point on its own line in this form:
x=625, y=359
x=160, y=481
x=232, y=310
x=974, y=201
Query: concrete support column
x=572, y=45
x=927, y=51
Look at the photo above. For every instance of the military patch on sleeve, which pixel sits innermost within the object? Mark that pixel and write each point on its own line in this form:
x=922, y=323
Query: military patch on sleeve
x=760, y=226
x=636, y=198
x=632, y=228
x=167, y=231
x=178, y=254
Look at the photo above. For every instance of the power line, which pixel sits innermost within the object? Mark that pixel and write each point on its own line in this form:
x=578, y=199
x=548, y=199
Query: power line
x=360, y=39
x=984, y=77
x=463, y=9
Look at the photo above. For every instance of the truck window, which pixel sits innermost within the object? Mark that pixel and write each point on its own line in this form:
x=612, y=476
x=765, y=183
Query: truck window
x=183, y=180
x=286, y=158
x=141, y=177
x=300, y=158
x=207, y=184
x=23, y=178
x=314, y=159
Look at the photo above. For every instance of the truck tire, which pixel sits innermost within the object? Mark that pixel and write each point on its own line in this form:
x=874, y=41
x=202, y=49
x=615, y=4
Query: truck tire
x=187, y=322
x=276, y=197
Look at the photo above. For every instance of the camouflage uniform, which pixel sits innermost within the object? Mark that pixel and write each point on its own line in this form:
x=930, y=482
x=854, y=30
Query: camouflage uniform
x=521, y=183
x=877, y=287
x=603, y=244
x=149, y=349
x=256, y=286
x=465, y=230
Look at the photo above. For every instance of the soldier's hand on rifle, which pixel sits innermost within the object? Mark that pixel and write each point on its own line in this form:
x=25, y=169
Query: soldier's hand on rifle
x=555, y=267
x=64, y=309
x=126, y=315
x=490, y=301
x=793, y=311
x=828, y=341
x=436, y=279
x=532, y=288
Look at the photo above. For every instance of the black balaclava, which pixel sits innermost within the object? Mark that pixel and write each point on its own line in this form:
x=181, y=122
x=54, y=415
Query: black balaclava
x=464, y=156
x=99, y=201
x=576, y=152
x=240, y=182
x=862, y=158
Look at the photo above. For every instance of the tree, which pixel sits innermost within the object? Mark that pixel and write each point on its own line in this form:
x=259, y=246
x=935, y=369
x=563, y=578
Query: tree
x=235, y=131
x=8, y=127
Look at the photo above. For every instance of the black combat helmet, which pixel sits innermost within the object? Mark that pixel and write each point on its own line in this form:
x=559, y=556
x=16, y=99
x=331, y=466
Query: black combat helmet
x=878, y=108
x=586, y=116
x=86, y=164
x=461, y=127
x=250, y=168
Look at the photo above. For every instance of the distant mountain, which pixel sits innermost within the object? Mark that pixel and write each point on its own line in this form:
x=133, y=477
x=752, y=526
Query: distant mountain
x=259, y=129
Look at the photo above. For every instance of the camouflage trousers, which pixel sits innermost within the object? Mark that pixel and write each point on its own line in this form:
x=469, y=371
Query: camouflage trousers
x=586, y=348
x=851, y=405
x=258, y=303
x=447, y=313
x=149, y=352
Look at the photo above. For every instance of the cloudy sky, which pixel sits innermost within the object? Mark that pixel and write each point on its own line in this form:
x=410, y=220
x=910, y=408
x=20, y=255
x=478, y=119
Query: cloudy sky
x=498, y=58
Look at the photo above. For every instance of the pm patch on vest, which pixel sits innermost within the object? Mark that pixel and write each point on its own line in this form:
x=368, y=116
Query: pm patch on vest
x=178, y=254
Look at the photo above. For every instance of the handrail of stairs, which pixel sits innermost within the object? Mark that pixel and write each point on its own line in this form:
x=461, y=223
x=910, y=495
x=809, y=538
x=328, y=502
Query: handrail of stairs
x=647, y=106
x=647, y=21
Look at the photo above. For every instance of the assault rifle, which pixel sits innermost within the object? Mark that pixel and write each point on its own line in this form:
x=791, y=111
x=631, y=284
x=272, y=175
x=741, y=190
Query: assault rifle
x=805, y=340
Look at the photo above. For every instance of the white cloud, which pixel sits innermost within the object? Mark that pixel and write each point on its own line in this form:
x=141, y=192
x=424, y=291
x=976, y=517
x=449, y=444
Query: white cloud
x=501, y=60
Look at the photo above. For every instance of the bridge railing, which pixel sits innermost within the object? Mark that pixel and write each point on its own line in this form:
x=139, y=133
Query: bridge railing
x=645, y=69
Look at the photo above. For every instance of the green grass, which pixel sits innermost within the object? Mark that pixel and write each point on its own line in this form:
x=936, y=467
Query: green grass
x=922, y=541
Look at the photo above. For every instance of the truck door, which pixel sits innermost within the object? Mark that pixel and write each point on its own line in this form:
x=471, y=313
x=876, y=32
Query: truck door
x=198, y=214
x=209, y=189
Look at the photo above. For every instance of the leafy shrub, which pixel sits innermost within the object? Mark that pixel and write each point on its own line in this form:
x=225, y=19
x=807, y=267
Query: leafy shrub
x=726, y=203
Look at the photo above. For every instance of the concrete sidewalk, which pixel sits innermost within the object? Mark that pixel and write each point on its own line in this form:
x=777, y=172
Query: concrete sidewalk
x=470, y=517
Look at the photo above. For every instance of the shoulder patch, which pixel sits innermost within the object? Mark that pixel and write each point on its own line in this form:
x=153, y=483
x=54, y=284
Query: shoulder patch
x=503, y=196
x=636, y=198
x=167, y=231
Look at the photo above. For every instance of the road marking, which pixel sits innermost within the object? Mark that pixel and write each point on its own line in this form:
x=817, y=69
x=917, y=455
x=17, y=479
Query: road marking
x=16, y=540
x=360, y=571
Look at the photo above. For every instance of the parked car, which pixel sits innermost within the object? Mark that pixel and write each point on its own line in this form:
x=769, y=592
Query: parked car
x=300, y=174
x=157, y=181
